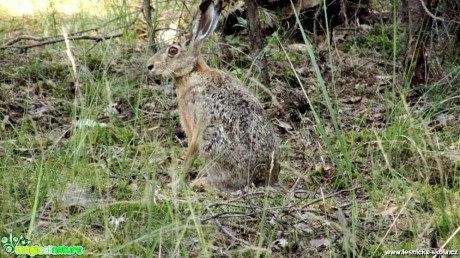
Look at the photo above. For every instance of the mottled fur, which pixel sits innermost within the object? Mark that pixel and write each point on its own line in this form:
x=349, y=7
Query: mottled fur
x=224, y=123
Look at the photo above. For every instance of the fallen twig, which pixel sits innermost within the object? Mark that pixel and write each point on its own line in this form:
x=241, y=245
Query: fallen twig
x=227, y=214
x=330, y=196
x=227, y=231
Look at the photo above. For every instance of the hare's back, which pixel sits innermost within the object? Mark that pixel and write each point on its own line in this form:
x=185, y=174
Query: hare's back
x=238, y=117
x=233, y=106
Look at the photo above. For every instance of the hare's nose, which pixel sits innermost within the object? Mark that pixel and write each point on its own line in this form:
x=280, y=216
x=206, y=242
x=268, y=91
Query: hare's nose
x=150, y=67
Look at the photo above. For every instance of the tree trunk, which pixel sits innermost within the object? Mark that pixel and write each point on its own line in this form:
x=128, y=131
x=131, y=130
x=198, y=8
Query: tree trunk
x=427, y=28
x=416, y=22
x=257, y=40
x=147, y=11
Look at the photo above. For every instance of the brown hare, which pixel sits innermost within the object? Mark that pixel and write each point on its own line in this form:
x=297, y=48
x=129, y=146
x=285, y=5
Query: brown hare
x=224, y=123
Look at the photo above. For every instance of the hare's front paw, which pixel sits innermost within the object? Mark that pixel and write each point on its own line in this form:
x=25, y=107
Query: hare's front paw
x=204, y=184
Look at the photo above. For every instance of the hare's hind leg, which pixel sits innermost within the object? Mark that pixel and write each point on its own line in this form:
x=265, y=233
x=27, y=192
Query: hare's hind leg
x=211, y=180
x=228, y=178
x=204, y=184
x=217, y=179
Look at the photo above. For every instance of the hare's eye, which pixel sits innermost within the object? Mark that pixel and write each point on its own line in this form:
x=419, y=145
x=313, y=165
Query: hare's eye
x=172, y=51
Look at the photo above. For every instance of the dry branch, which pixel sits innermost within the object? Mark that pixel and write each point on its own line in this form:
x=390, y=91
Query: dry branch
x=55, y=40
x=434, y=17
x=22, y=37
x=42, y=41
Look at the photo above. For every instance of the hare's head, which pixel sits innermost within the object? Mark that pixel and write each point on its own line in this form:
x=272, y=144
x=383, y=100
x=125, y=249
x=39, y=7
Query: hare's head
x=179, y=59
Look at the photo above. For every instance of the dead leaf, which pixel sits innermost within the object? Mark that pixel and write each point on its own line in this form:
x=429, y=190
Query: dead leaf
x=320, y=242
x=284, y=125
x=353, y=100
x=390, y=211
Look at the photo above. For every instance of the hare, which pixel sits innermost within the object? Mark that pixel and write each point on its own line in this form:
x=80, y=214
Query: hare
x=224, y=123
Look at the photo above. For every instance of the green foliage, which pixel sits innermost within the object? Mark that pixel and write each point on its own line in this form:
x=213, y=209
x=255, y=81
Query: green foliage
x=243, y=23
x=379, y=39
x=36, y=71
x=234, y=41
x=238, y=72
x=107, y=136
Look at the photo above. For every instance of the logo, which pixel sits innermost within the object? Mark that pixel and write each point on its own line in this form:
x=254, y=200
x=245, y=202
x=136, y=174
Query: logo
x=21, y=246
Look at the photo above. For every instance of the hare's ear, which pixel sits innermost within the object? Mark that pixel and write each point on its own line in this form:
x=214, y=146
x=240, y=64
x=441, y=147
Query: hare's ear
x=208, y=20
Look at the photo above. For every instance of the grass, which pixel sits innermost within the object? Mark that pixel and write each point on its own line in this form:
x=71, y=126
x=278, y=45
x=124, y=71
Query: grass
x=358, y=178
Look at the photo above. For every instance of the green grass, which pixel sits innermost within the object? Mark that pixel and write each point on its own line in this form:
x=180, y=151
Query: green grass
x=352, y=184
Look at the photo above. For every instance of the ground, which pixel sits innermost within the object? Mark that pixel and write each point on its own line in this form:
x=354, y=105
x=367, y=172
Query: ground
x=369, y=163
